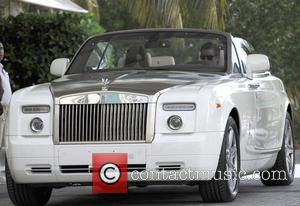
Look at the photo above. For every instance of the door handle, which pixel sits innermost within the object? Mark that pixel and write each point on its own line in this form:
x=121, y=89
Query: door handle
x=253, y=86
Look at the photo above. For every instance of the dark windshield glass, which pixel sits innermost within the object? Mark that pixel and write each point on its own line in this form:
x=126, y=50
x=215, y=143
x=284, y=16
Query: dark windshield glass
x=149, y=50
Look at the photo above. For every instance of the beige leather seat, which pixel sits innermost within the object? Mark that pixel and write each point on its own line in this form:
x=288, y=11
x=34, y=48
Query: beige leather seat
x=159, y=60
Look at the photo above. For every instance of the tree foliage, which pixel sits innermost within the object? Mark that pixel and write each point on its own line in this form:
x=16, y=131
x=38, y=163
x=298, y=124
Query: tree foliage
x=129, y=14
x=208, y=14
x=273, y=27
x=114, y=16
x=32, y=41
x=156, y=13
x=205, y=14
x=91, y=5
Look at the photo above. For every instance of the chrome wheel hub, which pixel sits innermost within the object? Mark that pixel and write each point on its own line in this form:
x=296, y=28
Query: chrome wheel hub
x=231, y=159
x=289, y=147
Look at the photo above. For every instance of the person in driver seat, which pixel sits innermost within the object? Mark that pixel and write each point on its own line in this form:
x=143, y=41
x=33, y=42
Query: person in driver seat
x=210, y=54
x=135, y=57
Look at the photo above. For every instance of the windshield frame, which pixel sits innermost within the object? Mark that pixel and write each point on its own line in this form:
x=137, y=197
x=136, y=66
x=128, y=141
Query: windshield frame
x=108, y=36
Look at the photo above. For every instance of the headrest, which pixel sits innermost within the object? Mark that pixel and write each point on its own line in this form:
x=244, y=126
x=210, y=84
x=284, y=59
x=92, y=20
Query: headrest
x=221, y=60
x=162, y=61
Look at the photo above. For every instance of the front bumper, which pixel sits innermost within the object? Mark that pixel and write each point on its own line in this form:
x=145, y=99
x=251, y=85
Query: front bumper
x=38, y=160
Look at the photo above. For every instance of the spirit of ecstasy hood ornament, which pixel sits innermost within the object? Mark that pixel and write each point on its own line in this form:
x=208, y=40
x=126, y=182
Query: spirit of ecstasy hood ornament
x=105, y=82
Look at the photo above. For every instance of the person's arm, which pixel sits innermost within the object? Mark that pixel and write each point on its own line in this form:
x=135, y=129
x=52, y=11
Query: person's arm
x=1, y=95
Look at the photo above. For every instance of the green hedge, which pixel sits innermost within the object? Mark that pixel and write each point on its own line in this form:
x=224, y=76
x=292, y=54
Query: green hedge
x=32, y=41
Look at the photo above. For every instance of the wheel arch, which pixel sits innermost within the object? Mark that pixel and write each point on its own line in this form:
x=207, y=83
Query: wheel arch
x=290, y=111
x=235, y=115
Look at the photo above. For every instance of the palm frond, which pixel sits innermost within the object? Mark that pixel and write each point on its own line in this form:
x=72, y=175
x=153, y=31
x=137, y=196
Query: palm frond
x=222, y=13
x=208, y=14
x=155, y=13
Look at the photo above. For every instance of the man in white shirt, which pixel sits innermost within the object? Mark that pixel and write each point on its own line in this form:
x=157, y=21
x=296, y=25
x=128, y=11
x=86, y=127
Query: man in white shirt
x=5, y=95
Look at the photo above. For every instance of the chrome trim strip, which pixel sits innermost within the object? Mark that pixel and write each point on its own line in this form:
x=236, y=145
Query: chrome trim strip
x=139, y=122
x=102, y=142
x=150, y=122
x=129, y=122
x=118, y=122
x=122, y=123
x=136, y=123
x=260, y=75
x=56, y=126
x=76, y=121
x=125, y=122
x=103, y=97
x=80, y=121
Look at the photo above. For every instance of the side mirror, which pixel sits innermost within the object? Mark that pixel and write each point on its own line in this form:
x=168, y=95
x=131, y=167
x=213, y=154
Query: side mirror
x=59, y=66
x=258, y=63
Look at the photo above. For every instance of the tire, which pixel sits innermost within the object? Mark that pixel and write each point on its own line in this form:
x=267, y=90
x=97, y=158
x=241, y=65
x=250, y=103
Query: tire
x=225, y=184
x=24, y=194
x=282, y=173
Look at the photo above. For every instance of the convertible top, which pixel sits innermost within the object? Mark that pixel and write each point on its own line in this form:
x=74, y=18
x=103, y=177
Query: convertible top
x=163, y=30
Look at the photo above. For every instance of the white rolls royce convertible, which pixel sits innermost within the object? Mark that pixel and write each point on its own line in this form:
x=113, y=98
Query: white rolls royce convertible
x=185, y=106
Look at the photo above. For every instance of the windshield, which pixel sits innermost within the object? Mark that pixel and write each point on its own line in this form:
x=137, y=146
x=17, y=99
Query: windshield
x=150, y=50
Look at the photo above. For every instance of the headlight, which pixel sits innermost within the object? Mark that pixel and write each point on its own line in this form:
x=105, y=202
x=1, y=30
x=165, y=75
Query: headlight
x=179, y=107
x=33, y=109
x=36, y=125
x=175, y=122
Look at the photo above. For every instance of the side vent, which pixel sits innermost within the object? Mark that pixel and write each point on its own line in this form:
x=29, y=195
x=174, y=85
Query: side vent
x=40, y=169
x=169, y=167
x=89, y=169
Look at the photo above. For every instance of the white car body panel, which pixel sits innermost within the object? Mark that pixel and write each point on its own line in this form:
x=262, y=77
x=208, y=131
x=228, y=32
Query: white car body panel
x=203, y=141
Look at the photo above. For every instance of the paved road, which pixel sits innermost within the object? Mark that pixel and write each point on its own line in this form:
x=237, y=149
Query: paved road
x=252, y=192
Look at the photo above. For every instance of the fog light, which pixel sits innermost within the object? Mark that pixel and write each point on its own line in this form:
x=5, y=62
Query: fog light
x=175, y=122
x=36, y=125
x=33, y=109
x=179, y=106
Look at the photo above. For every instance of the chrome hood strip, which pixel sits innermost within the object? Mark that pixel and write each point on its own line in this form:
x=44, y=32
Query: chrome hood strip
x=104, y=98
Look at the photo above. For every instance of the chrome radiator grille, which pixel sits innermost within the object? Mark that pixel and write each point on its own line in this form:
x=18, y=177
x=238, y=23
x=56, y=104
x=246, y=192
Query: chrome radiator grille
x=102, y=122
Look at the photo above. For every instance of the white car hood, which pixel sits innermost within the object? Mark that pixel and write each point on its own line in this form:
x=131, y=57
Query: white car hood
x=135, y=81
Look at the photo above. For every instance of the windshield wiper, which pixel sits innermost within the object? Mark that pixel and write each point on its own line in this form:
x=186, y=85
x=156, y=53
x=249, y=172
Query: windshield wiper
x=102, y=56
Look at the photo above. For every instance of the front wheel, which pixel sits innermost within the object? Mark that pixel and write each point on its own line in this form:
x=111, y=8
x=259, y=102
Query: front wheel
x=225, y=185
x=282, y=173
x=25, y=194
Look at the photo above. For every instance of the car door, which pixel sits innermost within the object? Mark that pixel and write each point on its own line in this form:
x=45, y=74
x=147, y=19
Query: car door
x=267, y=119
x=268, y=111
x=247, y=106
